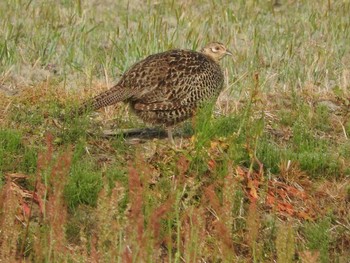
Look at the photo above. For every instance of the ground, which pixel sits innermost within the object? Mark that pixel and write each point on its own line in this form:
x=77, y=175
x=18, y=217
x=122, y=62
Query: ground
x=261, y=176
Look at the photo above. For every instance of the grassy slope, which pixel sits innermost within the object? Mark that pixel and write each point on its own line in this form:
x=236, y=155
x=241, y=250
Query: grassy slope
x=285, y=108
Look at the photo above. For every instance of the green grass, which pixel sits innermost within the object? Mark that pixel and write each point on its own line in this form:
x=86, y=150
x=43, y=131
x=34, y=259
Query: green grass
x=10, y=145
x=284, y=108
x=83, y=186
x=318, y=238
x=14, y=155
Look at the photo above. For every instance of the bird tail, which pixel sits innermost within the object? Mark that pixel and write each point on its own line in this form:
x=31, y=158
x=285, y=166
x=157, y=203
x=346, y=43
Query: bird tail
x=107, y=98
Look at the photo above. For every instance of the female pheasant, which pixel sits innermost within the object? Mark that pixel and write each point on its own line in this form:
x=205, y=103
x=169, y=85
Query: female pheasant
x=166, y=88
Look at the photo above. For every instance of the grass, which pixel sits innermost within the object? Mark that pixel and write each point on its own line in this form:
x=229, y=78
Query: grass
x=264, y=176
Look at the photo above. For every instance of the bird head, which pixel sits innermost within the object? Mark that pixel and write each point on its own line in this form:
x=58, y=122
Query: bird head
x=216, y=51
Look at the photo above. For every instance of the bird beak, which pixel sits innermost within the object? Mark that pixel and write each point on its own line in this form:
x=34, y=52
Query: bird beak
x=228, y=52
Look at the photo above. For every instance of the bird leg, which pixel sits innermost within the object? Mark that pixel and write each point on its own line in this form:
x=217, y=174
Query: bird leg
x=169, y=130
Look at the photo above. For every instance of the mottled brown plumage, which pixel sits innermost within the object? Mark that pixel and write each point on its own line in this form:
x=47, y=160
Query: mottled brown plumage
x=166, y=88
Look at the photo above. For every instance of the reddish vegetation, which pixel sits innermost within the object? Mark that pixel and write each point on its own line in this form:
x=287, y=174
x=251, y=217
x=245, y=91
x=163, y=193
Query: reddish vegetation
x=203, y=226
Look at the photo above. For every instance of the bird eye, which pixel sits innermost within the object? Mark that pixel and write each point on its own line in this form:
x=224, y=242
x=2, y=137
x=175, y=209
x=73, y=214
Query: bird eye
x=215, y=49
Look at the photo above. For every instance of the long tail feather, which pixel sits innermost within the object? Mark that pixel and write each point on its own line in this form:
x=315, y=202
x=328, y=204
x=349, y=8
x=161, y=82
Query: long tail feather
x=107, y=98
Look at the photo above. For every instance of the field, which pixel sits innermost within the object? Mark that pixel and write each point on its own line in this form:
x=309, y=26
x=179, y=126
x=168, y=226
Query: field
x=261, y=176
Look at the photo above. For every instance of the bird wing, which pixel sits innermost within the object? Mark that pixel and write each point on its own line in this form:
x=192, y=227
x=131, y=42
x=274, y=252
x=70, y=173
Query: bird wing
x=171, y=80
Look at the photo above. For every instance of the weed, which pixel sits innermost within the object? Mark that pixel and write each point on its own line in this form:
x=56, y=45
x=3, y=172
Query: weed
x=285, y=244
x=14, y=155
x=318, y=238
x=83, y=185
x=10, y=229
x=10, y=145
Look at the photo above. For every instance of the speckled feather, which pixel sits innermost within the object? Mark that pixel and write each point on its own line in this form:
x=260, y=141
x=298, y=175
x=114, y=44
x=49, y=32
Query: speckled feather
x=167, y=87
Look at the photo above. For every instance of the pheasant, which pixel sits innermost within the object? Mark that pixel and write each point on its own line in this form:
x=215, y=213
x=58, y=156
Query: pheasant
x=166, y=88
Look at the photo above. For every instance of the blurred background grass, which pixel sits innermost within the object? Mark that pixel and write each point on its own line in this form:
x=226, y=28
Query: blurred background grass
x=291, y=44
